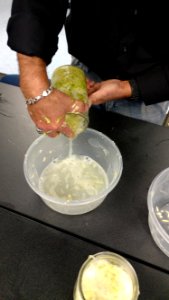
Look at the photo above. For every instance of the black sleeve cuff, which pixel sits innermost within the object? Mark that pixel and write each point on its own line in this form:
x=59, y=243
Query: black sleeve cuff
x=153, y=85
x=28, y=36
x=134, y=90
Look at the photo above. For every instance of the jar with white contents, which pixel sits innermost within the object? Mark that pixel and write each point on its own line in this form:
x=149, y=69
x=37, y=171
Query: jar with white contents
x=106, y=276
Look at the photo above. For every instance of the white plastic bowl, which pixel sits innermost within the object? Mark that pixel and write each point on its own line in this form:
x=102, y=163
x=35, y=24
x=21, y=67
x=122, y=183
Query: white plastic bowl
x=158, y=206
x=89, y=143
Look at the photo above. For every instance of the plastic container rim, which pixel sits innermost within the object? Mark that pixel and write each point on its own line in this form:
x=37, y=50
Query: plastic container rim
x=150, y=205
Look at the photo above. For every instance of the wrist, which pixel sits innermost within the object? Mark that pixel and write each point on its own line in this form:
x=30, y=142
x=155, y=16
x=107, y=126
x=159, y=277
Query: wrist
x=33, y=76
x=44, y=93
x=126, y=89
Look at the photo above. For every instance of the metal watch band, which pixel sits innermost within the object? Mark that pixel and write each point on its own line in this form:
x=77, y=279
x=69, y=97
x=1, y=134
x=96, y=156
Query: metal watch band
x=34, y=100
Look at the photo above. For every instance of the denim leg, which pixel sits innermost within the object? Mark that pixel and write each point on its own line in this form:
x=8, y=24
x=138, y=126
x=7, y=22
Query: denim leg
x=154, y=113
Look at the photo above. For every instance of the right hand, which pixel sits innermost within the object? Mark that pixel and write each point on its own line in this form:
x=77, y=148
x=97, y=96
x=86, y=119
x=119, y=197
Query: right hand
x=48, y=114
x=108, y=90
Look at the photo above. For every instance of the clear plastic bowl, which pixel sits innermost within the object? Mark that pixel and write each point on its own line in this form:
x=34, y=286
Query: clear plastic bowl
x=89, y=143
x=158, y=206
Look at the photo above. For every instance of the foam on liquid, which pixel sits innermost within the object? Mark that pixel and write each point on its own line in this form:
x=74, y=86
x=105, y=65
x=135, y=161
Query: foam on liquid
x=75, y=177
x=105, y=281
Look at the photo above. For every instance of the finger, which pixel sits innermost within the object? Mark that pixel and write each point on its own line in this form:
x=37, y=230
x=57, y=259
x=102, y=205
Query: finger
x=96, y=98
x=66, y=131
x=39, y=131
x=53, y=125
x=52, y=134
x=59, y=121
x=79, y=106
x=89, y=83
x=93, y=89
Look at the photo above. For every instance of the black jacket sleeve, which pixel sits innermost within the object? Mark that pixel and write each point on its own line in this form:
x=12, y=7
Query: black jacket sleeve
x=153, y=85
x=34, y=26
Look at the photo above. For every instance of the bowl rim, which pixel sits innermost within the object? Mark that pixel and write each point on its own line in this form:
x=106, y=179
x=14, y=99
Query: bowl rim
x=161, y=230
x=61, y=202
x=116, y=260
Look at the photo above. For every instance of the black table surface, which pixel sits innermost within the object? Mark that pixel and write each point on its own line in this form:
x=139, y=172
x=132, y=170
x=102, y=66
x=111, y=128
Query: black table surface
x=120, y=224
x=38, y=262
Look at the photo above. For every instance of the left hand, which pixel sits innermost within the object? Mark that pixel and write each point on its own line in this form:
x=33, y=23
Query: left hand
x=113, y=89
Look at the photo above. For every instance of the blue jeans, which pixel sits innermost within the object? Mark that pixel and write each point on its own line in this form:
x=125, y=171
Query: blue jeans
x=154, y=113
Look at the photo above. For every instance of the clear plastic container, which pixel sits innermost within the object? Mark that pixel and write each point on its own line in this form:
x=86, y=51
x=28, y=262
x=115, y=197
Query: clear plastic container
x=158, y=207
x=90, y=143
x=106, y=276
x=71, y=80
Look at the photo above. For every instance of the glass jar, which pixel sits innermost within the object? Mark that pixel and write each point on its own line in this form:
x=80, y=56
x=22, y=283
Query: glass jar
x=71, y=80
x=106, y=276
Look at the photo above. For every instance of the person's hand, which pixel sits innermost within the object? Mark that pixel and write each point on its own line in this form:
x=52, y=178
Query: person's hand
x=48, y=114
x=113, y=89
